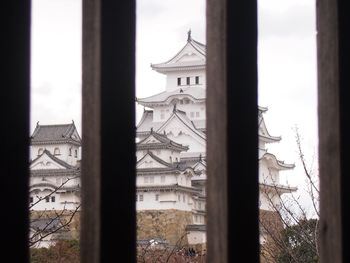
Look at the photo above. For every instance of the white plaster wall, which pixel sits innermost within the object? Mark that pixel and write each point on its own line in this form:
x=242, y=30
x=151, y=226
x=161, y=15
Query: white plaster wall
x=68, y=181
x=195, y=144
x=267, y=174
x=171, y=80
x=68, y=201
x=167, y=200
x=270, y=202
x=169, y=179
x=163, y=154
x=158, y=179
x=199, y=205
x=162, y=113
x=64, y=152
x=262, y=145
x=196, y=237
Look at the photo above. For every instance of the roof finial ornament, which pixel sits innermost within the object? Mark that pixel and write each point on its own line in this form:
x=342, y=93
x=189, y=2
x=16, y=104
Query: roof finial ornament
x=164, y=132
x=151, y=129
x=174, y=109
x=37, y=123
x=200, y=157
x=189, y=35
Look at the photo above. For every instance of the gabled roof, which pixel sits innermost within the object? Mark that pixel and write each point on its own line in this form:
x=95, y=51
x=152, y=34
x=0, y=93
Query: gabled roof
x=157, y=159
x=194, y=93
x=264, y=134
x=280, y=165
x=45, y=224
x=181, y=116
x=55, y=134
x=54, y=159
x=159, y=141
x=191, y=56
x=282, y=189
x=146, y=123
x=175, y=166
x=200, y=165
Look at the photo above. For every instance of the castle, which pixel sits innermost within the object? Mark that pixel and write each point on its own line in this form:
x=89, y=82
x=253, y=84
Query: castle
x=171, y=157
x=54, y=193
x=171, y=153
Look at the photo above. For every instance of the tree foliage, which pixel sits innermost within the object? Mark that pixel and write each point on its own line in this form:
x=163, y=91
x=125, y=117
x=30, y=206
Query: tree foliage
x=64, y=251
x=300, y=242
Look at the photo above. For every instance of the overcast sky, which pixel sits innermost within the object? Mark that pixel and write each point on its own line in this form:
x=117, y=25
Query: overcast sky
x=287, y=62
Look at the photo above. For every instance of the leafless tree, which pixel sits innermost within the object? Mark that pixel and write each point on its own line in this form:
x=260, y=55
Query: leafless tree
x=290, y=223
x=54, y=221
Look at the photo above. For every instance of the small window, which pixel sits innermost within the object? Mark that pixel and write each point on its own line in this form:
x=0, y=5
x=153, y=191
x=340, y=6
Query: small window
x=179, y=81
x=47, y=199
x=141, y=198
x=184, y=198
x=179, y=198
x=199, y=205
x=53, y=199
x=162, y=116
x=70, y=151
x=151, y=179
x=157, y=197
x=162, y=178
x=188, y=80
x=192, y=114
x=76, y=153
x=145, y=179
x=197, y=80
x=31, y=199
x=197, y=114
x=56, y=151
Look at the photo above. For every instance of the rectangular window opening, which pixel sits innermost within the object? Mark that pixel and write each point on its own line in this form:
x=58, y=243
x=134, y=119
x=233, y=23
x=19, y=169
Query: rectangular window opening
x=287, y=54
x=179, y=81
x=176, y=146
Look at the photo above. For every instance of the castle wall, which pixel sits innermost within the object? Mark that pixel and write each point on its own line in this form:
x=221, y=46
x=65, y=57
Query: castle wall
x=167, y=224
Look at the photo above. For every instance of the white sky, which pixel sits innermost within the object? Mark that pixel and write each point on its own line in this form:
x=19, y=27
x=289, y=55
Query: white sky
x=287, y=62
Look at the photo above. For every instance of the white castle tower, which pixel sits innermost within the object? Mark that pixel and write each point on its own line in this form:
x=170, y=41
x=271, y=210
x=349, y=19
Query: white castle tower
x=175, y=121
x=54, y=167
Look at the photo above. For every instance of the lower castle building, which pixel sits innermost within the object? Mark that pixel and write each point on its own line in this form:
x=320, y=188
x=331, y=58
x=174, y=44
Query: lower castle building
x=54, y=182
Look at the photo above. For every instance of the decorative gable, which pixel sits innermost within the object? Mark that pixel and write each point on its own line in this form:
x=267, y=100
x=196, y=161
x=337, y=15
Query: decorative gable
x=44, y=162
x=150, y=161
x=191, y=56
x=150, y=139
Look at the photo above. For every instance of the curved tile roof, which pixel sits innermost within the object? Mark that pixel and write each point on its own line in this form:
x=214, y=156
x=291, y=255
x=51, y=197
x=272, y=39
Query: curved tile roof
x=53, y=134
x=192, y=92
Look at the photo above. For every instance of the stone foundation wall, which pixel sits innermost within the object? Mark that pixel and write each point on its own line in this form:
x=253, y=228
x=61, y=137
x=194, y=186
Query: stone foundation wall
x=271, y=222
x=167, y=224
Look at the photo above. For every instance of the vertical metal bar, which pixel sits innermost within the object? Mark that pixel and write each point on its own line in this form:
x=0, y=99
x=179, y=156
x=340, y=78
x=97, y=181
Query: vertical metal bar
x=233, y=192
x=118, y=159
x=14, y=107
x=329, y=131
x=109, y=159
x=91, y=136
